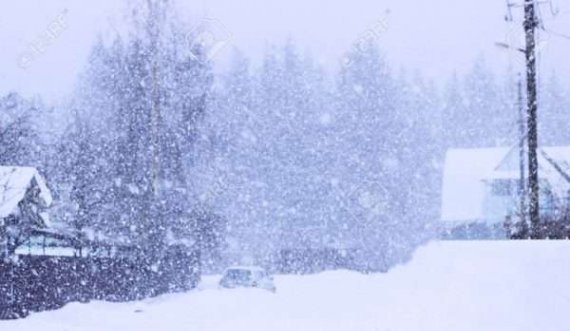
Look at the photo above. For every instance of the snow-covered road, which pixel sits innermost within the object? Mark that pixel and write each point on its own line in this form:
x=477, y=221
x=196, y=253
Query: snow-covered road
x=448, y=286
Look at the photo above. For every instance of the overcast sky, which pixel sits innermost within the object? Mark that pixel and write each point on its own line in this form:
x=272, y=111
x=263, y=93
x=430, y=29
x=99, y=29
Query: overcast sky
x=436, y=37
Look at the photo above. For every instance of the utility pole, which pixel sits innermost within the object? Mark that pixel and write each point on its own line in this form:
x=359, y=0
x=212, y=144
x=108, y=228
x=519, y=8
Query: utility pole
x=523, y=229
x=530, y=25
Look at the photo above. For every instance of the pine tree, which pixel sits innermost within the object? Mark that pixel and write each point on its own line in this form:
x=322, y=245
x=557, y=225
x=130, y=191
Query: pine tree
x=554, y=103
x=19, y=135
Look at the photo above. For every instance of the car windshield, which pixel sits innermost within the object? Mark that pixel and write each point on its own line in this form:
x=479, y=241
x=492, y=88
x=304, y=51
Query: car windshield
x=237, y=275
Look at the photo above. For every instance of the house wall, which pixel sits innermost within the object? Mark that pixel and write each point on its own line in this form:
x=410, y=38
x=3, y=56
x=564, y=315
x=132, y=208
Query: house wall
x=17, y=227
x=501, y=200
x=498, y=203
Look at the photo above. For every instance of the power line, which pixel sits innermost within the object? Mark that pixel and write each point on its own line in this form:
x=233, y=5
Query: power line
x=556, y=34
x=554, y=11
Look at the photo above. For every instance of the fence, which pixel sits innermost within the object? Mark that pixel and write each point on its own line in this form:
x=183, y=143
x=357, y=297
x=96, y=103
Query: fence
x=307, y=261
x=37, y=283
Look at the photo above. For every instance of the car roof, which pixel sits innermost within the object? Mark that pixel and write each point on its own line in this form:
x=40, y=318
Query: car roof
x=246, y=268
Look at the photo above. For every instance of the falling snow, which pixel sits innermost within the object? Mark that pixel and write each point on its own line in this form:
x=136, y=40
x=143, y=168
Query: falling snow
x=178, y=154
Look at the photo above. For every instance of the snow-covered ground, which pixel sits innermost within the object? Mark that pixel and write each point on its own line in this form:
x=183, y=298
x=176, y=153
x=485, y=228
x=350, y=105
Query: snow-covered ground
x=448, y=286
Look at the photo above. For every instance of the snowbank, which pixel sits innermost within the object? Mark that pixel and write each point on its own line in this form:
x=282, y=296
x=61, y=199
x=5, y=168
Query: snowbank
x=447, y=286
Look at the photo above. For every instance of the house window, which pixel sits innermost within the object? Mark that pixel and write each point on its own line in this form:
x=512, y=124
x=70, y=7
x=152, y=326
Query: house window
x=503, y=187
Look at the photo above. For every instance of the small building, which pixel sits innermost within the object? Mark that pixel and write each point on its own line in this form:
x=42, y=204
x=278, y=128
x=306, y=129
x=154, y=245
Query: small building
x=481, y=188
x=24, y=199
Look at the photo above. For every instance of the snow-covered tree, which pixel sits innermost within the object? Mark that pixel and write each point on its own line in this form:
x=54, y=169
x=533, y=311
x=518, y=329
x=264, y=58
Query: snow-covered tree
x=138, y=105
x=20, y=139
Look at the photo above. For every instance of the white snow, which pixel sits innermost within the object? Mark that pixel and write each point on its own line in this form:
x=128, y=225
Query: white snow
x=472, y=285
x=46, y=251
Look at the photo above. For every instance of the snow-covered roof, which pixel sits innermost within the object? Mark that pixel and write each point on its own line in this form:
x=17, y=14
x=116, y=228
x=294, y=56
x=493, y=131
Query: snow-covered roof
x=467, y=170
x=14, y=182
